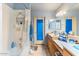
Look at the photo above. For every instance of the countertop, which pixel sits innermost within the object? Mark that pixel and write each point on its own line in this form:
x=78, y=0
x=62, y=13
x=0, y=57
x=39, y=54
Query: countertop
x=51, y=34
x=68, y=47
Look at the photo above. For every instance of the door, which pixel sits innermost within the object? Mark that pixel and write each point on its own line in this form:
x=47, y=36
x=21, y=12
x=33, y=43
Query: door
x=68, y=25
x=40, y=29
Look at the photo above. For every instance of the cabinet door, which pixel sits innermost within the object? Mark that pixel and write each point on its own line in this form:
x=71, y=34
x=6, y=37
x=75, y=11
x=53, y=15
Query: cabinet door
x=66, y=53
x=52, y=48
x=46, y=39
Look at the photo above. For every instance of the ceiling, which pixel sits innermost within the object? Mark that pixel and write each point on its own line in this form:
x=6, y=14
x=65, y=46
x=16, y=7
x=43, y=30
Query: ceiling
x=45, y=6
x=69, y=6
x=18, y=6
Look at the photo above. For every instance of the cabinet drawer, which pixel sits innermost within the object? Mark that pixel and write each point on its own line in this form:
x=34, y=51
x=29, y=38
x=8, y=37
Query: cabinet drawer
x=58, y=48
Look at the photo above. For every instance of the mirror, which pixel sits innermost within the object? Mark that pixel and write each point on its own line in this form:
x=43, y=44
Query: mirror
x=58, y=24
x=55, y=25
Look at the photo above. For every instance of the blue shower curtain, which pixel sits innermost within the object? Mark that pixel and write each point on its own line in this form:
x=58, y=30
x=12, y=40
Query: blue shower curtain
x=31, y=31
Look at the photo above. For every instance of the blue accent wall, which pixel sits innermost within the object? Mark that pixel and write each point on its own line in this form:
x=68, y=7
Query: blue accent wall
x=39, y=29
x=68, y=25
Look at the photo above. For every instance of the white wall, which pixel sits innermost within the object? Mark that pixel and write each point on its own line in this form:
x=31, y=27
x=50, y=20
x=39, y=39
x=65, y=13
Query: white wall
x=0, y=27
x=78, y=25
x=7, y=26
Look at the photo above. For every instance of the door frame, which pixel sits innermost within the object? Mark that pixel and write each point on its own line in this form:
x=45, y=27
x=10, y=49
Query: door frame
x=74, y=23
x=35, y=30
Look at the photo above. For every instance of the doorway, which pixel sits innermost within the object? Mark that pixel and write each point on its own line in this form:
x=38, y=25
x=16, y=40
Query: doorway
x=68, y=25
x=39, y=30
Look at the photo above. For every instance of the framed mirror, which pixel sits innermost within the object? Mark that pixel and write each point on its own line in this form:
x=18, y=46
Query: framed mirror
x=55, y=25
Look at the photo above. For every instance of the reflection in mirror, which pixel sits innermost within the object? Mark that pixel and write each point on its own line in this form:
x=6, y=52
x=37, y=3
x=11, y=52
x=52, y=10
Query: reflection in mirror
x=54, y=25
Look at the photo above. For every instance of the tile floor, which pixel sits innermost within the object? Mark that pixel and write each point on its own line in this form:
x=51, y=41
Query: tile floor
x=40, y=51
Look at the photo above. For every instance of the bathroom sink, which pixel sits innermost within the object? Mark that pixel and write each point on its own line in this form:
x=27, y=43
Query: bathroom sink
x=76, y=46
x=72, y=42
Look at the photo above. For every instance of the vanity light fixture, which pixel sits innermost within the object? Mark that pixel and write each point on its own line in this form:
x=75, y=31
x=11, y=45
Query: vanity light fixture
x=61, y=13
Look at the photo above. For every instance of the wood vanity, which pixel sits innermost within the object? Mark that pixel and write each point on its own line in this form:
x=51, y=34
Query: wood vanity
x=54, y=47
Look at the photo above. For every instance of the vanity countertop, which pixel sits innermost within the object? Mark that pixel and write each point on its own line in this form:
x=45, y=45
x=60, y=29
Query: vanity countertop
x=68, y=47
x=51, y=34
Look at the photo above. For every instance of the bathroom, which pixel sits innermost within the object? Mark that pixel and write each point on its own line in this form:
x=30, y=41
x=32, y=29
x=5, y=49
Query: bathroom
x=27, y=28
